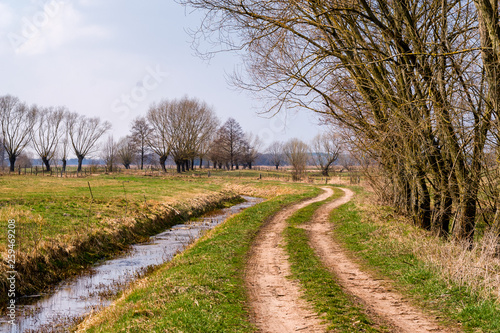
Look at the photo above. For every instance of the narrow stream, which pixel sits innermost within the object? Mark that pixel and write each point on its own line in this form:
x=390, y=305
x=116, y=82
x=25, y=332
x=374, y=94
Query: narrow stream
x=73, y=299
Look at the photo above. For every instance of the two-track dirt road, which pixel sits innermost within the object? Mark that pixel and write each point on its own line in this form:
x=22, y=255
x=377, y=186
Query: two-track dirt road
x=276, y=302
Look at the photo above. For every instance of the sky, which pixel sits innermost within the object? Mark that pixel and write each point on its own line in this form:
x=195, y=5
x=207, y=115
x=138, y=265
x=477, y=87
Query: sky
x=114, y=58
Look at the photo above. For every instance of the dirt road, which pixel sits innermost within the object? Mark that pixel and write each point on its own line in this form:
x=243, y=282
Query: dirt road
x=277, y=302
x=374, y=293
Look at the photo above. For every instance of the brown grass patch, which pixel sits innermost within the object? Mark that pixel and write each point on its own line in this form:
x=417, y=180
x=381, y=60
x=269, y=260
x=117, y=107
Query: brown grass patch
x=477, y=269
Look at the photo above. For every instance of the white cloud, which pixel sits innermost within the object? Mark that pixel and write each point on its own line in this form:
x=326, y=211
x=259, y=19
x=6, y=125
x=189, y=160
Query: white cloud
x=6, y=16
x=53, y=26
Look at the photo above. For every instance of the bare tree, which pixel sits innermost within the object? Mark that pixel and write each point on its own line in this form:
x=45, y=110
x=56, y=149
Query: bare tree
x=160, y=139
x=64, y=147
x=275, y=151
x=420, y=99
x=204, y=150
x=126, y=152
x=47, y=132
x=230, y=142
x=139, y=134
x=192, y=125
x=215, y=153
x=109, y=153
x=2, y=153
x=325, y=151
x=347, y=161
x=84, y=133
x=24, y=160
x=17, y=120
x=250, y=149
x=297, y=155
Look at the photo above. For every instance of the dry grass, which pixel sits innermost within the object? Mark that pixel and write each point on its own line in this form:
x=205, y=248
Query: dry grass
x=28, y=226
x=476, y=269
x=268, y=191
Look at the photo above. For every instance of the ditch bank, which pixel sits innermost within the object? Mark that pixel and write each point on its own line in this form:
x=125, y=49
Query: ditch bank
x=55, y=261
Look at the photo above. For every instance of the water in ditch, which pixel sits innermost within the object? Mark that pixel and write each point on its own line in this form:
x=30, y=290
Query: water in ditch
x=73, y=299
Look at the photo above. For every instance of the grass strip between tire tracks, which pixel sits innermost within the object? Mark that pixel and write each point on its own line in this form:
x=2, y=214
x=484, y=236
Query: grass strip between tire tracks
x=200, y=290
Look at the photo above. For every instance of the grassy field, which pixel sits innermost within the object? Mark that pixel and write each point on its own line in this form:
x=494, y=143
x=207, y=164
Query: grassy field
x=200, y=290
x=48, y=207
x=63, y=225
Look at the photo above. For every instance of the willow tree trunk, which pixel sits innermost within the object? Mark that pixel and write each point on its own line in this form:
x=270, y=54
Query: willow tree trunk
x=47, y=163
x=80, y=162
x=163, y=160
x=12, y=160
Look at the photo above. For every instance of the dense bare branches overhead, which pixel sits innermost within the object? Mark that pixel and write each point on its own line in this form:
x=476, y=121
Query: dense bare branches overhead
x=16, y=119
x=412, y=82
x=84, y=132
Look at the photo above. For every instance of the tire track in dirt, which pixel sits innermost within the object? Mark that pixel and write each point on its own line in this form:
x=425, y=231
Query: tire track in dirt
x=377, y=297
x=276, y=302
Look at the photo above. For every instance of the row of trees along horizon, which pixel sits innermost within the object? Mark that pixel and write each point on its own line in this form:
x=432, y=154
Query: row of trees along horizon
x=183, y=129
x=414, y=84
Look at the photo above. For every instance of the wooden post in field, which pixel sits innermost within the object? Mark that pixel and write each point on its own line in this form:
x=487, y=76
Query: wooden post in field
x=90, y=206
